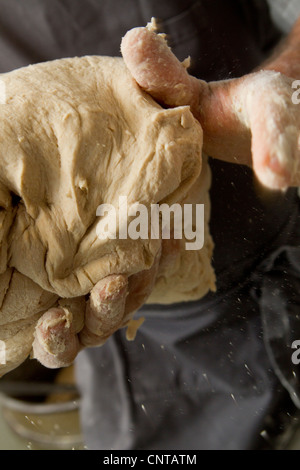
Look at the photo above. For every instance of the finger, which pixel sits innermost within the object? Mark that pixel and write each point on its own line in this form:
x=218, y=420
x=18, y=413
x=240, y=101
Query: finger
x=157, y=70
x=76, y=305
x=105, y=310
x=56, y=343
x=113, y=301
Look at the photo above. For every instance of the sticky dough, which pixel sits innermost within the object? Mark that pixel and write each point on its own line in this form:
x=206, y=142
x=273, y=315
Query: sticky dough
x=77, y=133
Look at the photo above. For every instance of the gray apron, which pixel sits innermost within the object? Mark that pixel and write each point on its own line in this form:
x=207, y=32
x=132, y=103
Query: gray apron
x=211, y=374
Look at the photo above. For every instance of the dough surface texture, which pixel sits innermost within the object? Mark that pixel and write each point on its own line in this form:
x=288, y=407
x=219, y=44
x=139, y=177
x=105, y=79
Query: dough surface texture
x=77, y=133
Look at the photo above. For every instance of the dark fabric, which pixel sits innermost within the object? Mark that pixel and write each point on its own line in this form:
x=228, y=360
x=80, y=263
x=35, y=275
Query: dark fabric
x=203, y=375
x=277, y=289
x=207, y=374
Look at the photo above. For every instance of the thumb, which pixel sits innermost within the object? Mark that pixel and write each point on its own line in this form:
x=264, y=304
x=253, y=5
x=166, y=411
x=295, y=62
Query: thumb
x=156, y=69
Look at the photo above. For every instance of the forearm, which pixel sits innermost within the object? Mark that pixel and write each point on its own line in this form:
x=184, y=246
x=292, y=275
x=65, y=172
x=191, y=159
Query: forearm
x=286, y=57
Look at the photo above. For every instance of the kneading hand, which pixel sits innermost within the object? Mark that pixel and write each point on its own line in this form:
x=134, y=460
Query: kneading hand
x=250, y=120
x=110, y=306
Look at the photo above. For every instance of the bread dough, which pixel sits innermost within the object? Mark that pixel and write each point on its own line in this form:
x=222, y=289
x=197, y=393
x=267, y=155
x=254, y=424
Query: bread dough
x=190, y=276
x=77, y=133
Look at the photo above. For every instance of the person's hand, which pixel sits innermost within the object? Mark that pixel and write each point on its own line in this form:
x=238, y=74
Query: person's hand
x=109, y=307
x=250, y=120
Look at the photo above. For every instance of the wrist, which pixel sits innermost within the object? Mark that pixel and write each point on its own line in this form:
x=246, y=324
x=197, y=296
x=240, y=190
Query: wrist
x=220, y=113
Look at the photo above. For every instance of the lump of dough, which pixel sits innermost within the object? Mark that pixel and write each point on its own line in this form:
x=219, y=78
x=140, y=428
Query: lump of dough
x=189, y=276
x=77, y=133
